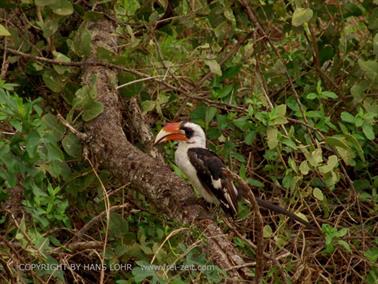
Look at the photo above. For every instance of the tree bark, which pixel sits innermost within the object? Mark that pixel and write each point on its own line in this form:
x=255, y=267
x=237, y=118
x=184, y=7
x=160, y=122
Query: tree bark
x=111, y=150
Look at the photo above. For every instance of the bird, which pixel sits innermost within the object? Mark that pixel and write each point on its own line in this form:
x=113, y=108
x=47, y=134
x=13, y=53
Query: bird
x=206, y=171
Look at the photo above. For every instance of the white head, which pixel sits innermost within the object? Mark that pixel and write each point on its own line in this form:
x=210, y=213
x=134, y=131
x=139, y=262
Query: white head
x=185, y=132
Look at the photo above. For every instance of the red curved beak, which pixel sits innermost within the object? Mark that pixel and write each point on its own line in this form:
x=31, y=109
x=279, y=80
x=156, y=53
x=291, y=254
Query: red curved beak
x=170, y=132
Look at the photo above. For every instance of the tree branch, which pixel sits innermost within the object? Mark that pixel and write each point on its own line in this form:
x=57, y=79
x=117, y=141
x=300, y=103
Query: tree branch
x=111, y=150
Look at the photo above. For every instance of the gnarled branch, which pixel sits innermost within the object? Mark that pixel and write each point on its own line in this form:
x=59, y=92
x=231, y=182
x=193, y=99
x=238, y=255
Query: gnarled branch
x=111, y=150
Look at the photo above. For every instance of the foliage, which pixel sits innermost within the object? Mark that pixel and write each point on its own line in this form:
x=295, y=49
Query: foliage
x=291, y=107
x=31, y=157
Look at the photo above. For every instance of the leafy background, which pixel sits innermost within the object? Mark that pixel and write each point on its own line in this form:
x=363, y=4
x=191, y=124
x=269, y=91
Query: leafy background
x=287, y=94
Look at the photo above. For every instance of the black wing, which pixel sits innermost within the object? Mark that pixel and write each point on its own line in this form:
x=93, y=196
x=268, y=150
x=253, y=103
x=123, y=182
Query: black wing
x=210, y=172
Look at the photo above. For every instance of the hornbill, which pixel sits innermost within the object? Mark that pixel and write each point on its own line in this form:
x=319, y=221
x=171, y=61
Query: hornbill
x=205, y=170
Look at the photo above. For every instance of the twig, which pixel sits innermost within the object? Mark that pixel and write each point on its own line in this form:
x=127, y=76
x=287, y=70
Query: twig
x=222, y=58
x=315, y=50
x=171, y=234
x=97, y=218
x=138, y=81
x=5, y=266
x=266, y=255
x=251, y=15
x=79, y=246
x=5, y=64
x=80, y=135
x=249, y=264
x=259, y=223
x=107, y=212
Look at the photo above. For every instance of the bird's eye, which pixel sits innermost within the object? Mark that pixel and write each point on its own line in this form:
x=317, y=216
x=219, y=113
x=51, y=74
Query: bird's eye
x=188, y=132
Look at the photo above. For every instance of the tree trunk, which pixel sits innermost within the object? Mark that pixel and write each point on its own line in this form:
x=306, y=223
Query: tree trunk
x=111, y=150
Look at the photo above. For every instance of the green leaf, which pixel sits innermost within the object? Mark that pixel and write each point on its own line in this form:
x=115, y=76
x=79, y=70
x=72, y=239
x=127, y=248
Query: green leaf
x=342, y=232
x=82, y=42
x=16, y=124
x=281, y=110
x=373, y=19
x=162, y=98
x=368, y=130
x=277, y=115
x=83, y=96
x=318, y=194
x=229, y=15
x=347, y=117
x=375, y=45
x=316, y=157
x=61, y=58
x=372, y=277
x=358, y=91
x=319, y=87
x=293, y=165
x=199, y=113
x=370, y=67
x=372, y=254
x=52, y=123
x=311, y=96
x=327, y=52
x=131, y=6
x=92, y=110
x=315, y=114
x=347, y=155
x=148, y=106
x=344, y=245
x=50, y=26
x=292, y=104
x=301, y=16
x=250, y=137
x=32, y=143
x=243, y=210
x=62, y=8
x=272, y=138
x=329, y=94
x=231, y=72
x=356, y=145
x=224, y=92
x=214, y=66
x=54, y=153
x=53, y=82
x=278, y=68
x=290, y=143
x=304, y=168
x=143, y=271
x=255, y=182
x=4, y=31
x=42, y=3
x=210, y=113
x=331, y=164
x=337, y=140
x=71, y=144
x=118, y=225
x=301, y=215
x=359, y=121
x=267, y=231
x=241, y=122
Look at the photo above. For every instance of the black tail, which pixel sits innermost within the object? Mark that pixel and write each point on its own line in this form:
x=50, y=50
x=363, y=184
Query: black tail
x=278, y=209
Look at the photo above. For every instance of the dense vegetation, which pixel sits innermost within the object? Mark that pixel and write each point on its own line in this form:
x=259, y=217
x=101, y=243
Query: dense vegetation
x=287, y=94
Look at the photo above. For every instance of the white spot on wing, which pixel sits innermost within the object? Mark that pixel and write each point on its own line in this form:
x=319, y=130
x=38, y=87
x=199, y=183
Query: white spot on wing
x=225, y=204
x=216, y=183
x=228, y=198
x=235, y=190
